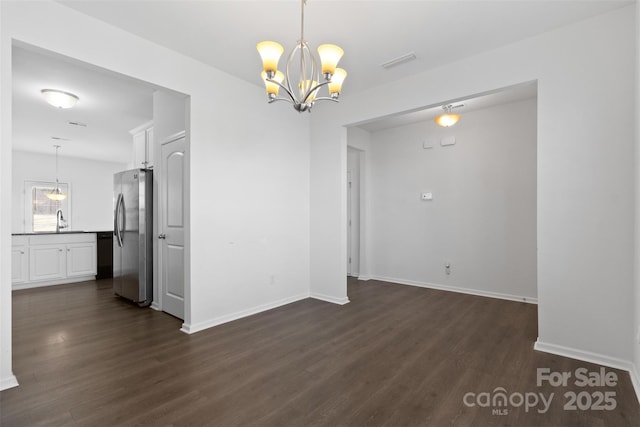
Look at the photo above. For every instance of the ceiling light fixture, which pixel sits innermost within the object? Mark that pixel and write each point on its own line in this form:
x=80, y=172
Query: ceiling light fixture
x=302, y=87
x=447, y=118
x=56, y=193
x=59, y=99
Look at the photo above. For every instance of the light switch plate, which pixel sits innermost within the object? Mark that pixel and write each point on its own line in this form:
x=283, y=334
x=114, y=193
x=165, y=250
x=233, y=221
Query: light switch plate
x=427, y=196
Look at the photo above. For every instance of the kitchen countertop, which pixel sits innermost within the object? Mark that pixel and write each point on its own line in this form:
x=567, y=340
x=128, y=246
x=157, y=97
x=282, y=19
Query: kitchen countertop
x=62, y=232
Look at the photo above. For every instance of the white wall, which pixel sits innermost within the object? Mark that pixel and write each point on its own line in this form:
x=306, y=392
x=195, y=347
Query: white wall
x=91, y=184
x=636, y=337
x=585, y=173
x=7, y=379
x=169, y=115
x=249, y=208
x=482, y=219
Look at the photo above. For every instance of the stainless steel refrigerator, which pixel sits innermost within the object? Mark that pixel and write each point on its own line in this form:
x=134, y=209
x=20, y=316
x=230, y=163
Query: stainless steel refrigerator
x=132, y=235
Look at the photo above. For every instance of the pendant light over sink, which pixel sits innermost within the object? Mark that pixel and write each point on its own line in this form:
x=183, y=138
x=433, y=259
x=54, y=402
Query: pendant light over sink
x=56, y=193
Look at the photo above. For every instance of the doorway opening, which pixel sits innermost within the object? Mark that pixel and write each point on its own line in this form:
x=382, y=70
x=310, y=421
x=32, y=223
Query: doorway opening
x=452, y=208
x=100, y=136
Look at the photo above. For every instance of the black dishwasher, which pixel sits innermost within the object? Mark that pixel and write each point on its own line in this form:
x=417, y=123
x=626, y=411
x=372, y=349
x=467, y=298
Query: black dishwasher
x=105, y=255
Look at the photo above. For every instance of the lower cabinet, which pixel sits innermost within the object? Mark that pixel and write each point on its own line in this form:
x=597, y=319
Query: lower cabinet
x=47, y=262
x=81, y=259
x=49, y=259
x=19, y=263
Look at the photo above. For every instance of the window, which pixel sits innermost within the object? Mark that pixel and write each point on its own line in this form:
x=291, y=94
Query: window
x=40, y=211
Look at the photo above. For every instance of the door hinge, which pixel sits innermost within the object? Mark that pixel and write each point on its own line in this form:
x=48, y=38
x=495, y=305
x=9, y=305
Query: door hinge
x=349, y=260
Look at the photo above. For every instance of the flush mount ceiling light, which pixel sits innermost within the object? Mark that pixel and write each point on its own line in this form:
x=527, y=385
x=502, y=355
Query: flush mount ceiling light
x=56, y=193
x=447, y=118
x=59, y=98
x=301, y=80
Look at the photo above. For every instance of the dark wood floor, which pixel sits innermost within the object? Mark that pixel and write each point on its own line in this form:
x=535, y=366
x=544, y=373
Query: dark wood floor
x=396, y=355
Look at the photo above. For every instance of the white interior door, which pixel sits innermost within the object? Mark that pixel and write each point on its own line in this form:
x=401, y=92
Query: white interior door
x=172, y=212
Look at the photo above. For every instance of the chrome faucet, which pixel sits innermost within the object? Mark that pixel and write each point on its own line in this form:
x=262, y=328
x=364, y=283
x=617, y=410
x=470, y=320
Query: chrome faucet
x=60, y=222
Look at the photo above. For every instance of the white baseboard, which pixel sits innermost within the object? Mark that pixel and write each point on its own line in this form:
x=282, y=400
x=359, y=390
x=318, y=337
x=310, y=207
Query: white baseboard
x=328, y=298
x=364, y=278
x=469, y=291
x=191, y=329
x=598, y=359
x=635, y=380
x=155, y=306
x=585, y=356
x=29, y=285
x=9, y=382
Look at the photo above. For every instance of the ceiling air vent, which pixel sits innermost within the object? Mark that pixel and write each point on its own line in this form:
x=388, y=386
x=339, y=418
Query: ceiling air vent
x=399, y=60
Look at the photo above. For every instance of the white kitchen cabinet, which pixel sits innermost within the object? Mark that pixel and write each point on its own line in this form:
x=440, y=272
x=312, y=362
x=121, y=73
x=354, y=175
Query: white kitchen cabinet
x=47, y=262
x=81, y=259
x=51, y=259
x=19, y=263
x=143, y=146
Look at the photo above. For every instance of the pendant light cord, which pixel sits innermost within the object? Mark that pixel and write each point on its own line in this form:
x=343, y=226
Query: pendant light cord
x=57, y=146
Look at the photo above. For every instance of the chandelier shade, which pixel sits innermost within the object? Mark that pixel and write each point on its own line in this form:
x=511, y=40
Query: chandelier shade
x=329, y=54
x=335, y=86
x=270, y=52
x=301, y=80
x=272, y=85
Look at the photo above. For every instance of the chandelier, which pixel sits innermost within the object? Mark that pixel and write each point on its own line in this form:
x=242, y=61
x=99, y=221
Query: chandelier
x=301, y=78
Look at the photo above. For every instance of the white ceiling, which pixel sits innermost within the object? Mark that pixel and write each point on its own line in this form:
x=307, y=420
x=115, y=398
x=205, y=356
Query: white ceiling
x=110, y=105
x=224, y=34
x=499, y=97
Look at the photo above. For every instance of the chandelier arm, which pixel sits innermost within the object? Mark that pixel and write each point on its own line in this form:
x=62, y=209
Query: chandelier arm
x=271, y=100
x=327, y=98
x=313, y=89
x=288, y=73
x=293, y=99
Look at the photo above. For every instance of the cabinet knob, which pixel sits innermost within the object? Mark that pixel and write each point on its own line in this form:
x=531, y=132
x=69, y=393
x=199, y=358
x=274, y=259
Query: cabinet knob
x=60, y=250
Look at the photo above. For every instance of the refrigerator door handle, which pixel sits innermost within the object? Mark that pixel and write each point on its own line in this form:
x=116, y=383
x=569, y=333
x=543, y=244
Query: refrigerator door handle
x=116, y=221
x=123, y=224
